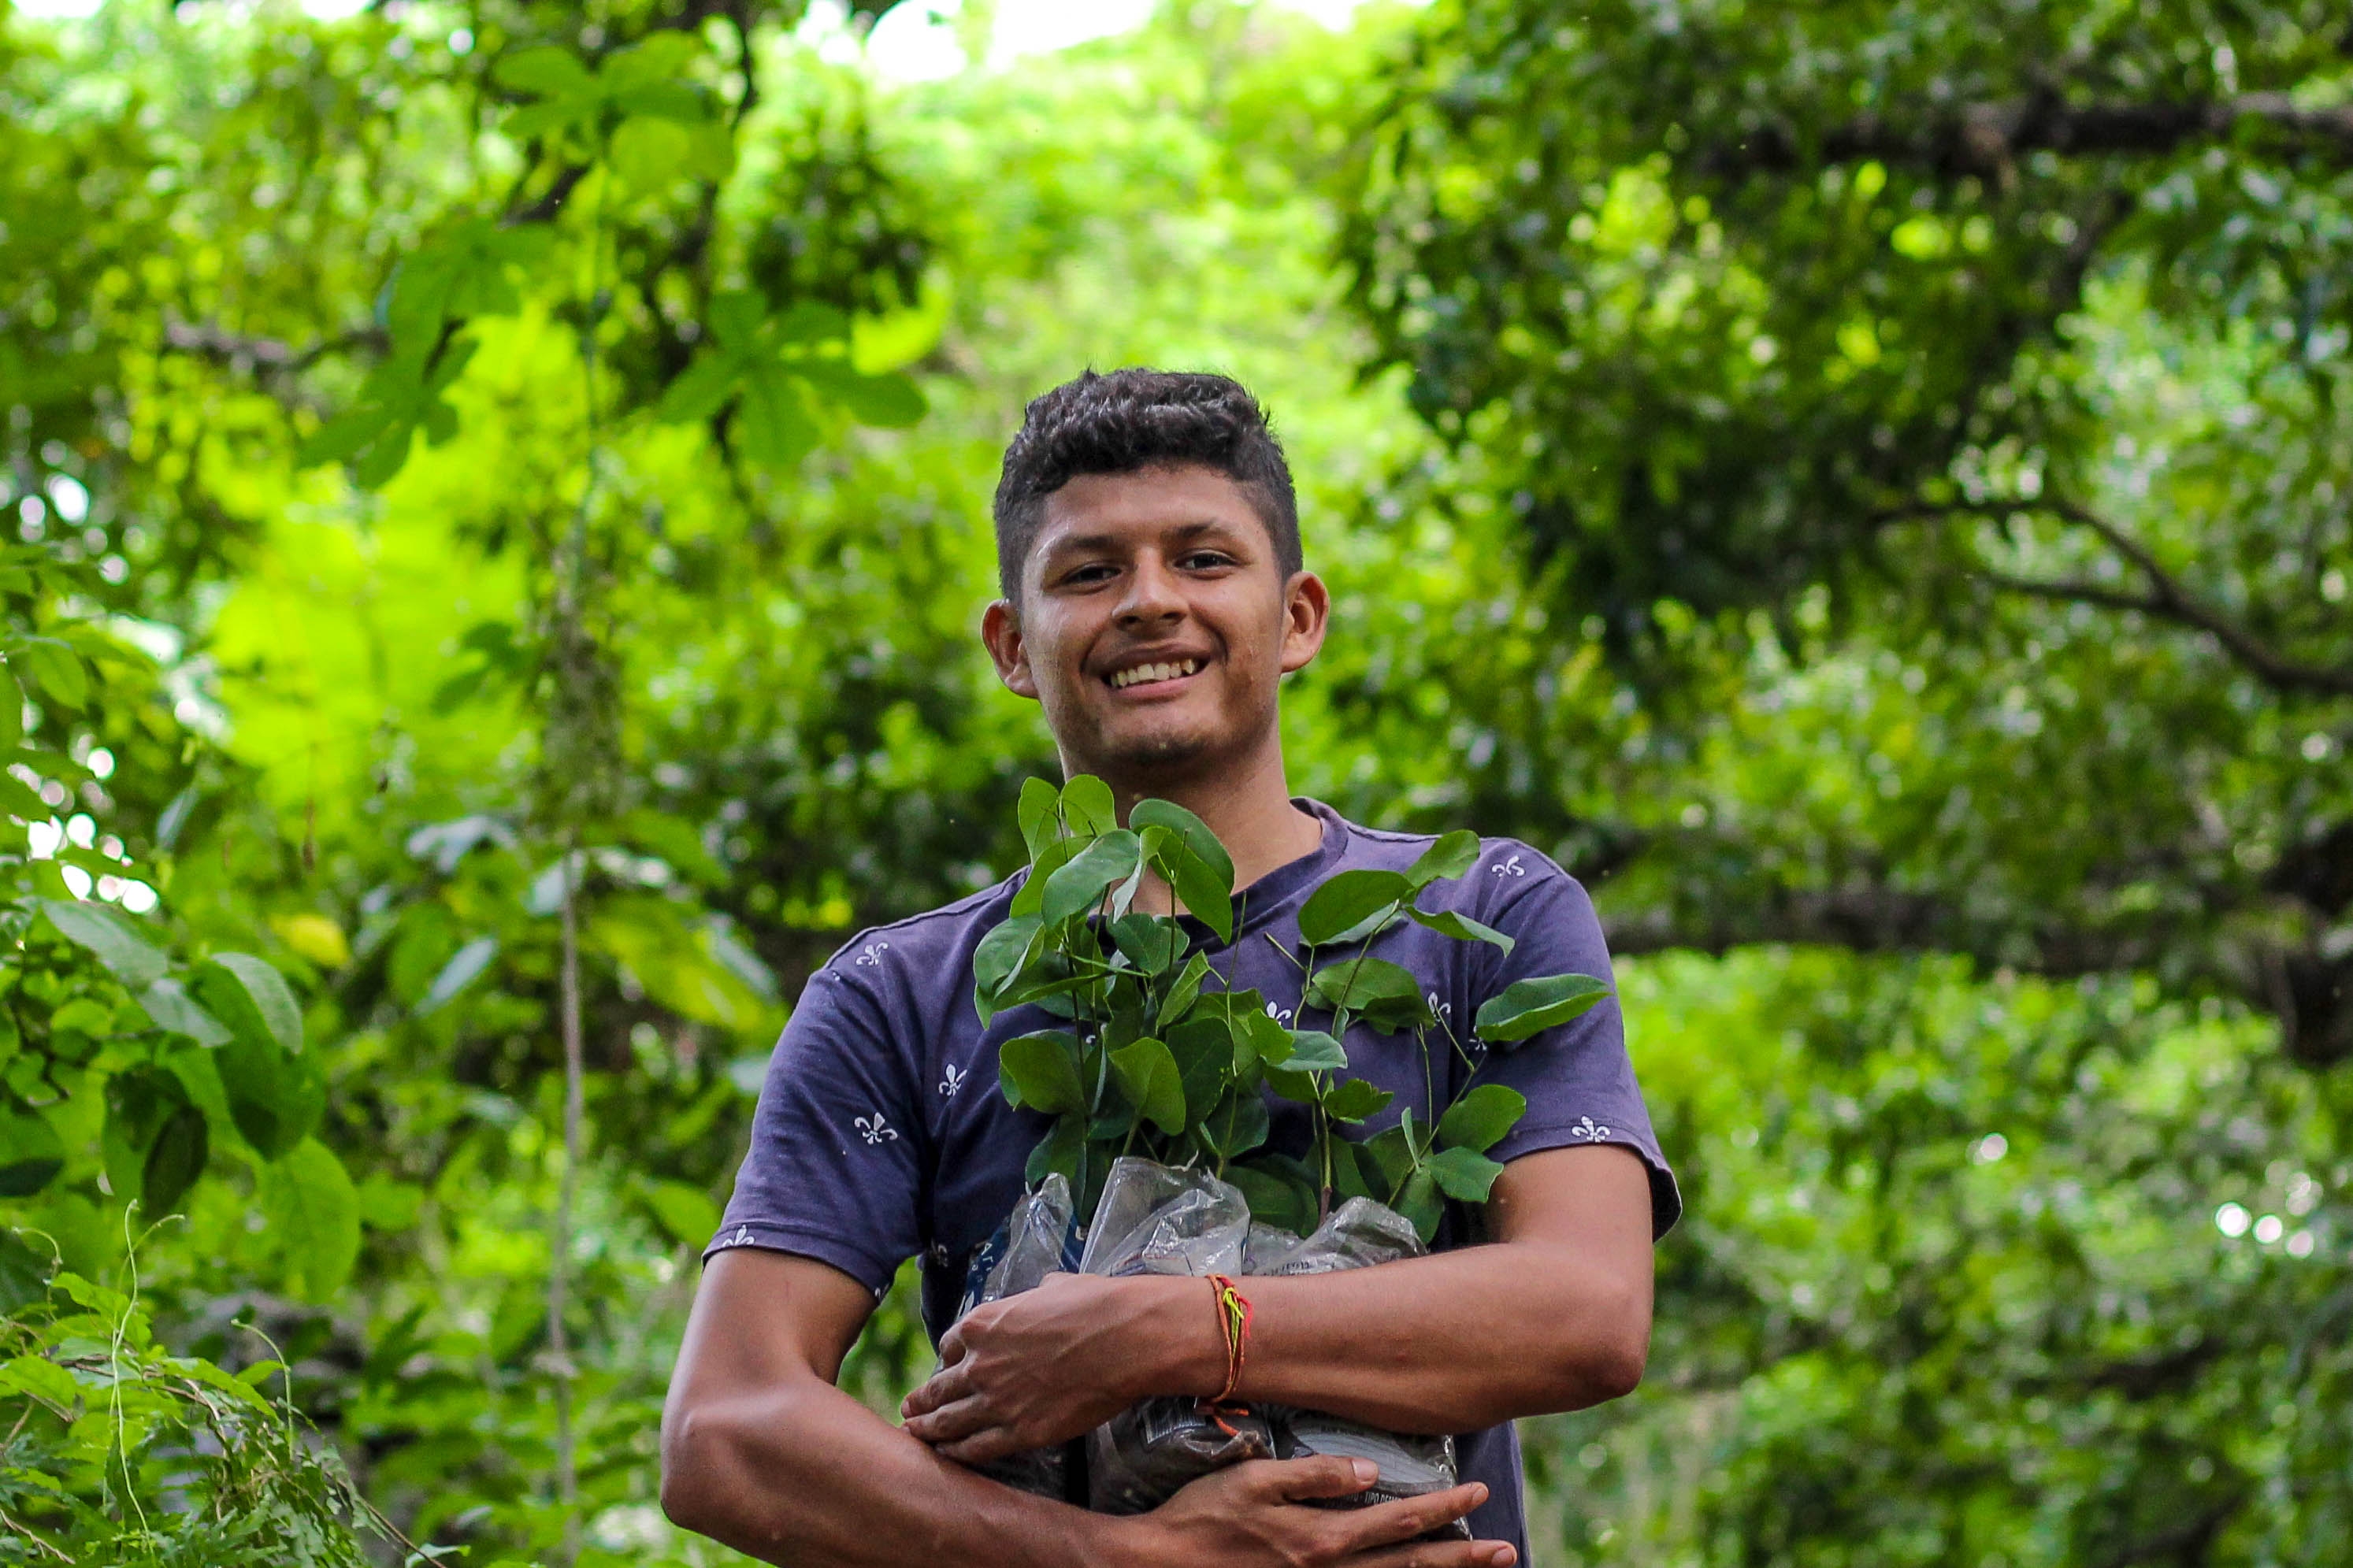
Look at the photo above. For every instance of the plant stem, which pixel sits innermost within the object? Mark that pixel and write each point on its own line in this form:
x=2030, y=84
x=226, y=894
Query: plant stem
x=559, y=1280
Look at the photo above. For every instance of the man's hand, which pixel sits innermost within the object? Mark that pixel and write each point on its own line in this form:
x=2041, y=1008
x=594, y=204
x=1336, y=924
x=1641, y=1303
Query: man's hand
x=1258, y=1515
x=1050, y=1363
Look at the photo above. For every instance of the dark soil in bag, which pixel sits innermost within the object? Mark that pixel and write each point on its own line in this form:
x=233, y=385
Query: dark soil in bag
x=1037, y=1239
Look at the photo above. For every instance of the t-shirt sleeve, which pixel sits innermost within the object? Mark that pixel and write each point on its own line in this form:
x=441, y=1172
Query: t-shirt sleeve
x=834, y=1169
x=1578, y=1078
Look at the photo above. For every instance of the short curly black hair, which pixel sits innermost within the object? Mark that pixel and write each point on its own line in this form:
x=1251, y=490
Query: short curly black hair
x=1133, y=419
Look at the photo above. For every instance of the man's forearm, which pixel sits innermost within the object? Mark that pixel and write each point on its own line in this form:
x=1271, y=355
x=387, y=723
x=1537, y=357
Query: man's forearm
x=800, y=1472
x=1450, y=1343
x=1555, y=1315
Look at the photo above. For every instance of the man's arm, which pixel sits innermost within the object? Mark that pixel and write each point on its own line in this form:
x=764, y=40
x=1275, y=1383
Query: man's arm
x=1555, y=1315
x=761, y=1451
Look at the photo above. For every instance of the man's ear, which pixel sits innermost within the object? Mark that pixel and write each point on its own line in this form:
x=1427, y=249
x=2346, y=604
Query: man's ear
x=1000, y=629
x=1306, y=612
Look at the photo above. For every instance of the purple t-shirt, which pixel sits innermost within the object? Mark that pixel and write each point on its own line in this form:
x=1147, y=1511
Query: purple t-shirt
x=880, y=1134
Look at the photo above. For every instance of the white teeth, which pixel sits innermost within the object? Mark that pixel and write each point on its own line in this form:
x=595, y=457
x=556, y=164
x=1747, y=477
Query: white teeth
x=1144, y=672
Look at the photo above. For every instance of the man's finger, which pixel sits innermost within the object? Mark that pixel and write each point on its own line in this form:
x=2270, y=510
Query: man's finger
x=1301, y=1480
x=944, y=1387
x=1389, y=1523
x=958, y=1419
x=1440, y=1554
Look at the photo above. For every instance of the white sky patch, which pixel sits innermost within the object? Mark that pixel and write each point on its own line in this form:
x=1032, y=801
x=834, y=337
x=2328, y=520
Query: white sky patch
x=917, y=40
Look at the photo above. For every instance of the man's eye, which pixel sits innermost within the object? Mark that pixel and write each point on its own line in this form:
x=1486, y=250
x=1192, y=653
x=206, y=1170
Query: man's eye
x=1205, y=561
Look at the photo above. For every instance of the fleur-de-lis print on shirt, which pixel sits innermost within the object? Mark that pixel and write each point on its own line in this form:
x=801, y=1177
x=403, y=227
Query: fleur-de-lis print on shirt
x=1586, y=1129
x=952, y=1081
x=1511, y=868
x=874, y=1129
x=870, y=955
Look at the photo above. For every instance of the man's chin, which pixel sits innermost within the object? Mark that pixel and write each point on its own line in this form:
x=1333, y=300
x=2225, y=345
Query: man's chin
x=1165, y=754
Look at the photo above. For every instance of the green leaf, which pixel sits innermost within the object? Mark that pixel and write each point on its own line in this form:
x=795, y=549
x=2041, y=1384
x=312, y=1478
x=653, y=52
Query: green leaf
x=889, y=402
x=1187, y=986
x=1462, y=928
x=274, y=1096
x=1040, y=1072
x=773, y=420
x=1152, y=943
x=1039, y=814
x=1203, y=878
x=1312, y=1050
x=1257, y=1038
x=137, y=1102
x=107, y=938
x=1058, y=1154
x=547, y=70
x=1482, y=1117
x=1195, y=835
x=998, y=958
x=702, y=390
x=1465, y=1174
x=464, y=966
x=1391, y=1153
x=1058, y=853
x=55, y=668
x=657, y=56
x=1355, y=1099
x=31, y=1152
x=12, y=714
x=1078, y=887
x=175, y=1161
x=649, y=151
x=1354, y=1173
x=1298, y=1088
x=1088, y=807
x=1280, y=1192
x=17, y=799
x=1237, y=1123
x=1526, y=1006
x=1356, y=983
x=687, y=1213
x=1348, y=900
x=668, y=105
x=1451, y=856
x=1205, y=1062
x=1420, y=1202
x=23, y=1274
x=312, y=1212
x=811, y=321
x=266, y=1001
x=1148, y=1075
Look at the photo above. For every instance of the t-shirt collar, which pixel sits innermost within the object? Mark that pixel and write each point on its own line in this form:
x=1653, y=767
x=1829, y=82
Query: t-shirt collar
x=1271, y=894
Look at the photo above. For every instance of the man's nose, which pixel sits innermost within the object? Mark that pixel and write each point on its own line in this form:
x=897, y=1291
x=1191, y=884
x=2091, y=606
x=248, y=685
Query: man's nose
x=1151, y=595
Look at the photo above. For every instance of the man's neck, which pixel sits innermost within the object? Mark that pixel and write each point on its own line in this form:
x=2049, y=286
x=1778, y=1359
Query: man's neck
x=1248, y=806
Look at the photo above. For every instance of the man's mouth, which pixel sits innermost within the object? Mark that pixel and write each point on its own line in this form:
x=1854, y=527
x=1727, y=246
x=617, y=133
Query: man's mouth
x=1144, y=674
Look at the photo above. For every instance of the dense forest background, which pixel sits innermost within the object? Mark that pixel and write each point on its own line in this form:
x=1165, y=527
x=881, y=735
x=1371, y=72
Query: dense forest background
x=495, y=503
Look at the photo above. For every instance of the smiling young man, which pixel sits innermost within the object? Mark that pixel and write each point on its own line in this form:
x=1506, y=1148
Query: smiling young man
x=1154, y=597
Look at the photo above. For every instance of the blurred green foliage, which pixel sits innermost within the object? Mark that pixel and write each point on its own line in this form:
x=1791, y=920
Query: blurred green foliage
x=1860, y=485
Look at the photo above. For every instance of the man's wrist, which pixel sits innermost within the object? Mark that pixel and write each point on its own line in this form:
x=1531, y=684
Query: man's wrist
x=1181, y=1351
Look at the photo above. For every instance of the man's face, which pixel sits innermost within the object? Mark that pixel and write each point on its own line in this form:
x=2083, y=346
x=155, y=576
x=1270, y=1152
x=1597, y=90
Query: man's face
x=1155, y=623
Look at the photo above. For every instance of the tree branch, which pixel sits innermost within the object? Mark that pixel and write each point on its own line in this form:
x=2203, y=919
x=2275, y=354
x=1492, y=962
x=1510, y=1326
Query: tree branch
x=240, y=351
x=2166, y=598
x=1989, y=139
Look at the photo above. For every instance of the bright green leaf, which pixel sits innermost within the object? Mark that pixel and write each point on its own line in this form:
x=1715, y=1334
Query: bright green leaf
x=1480, y=1117
x=1040, y=1072
x=1526, y=1006
x=1348, y=900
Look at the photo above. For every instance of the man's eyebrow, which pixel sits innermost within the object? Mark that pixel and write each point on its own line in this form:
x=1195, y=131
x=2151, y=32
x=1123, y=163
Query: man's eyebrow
x=1070, y=543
